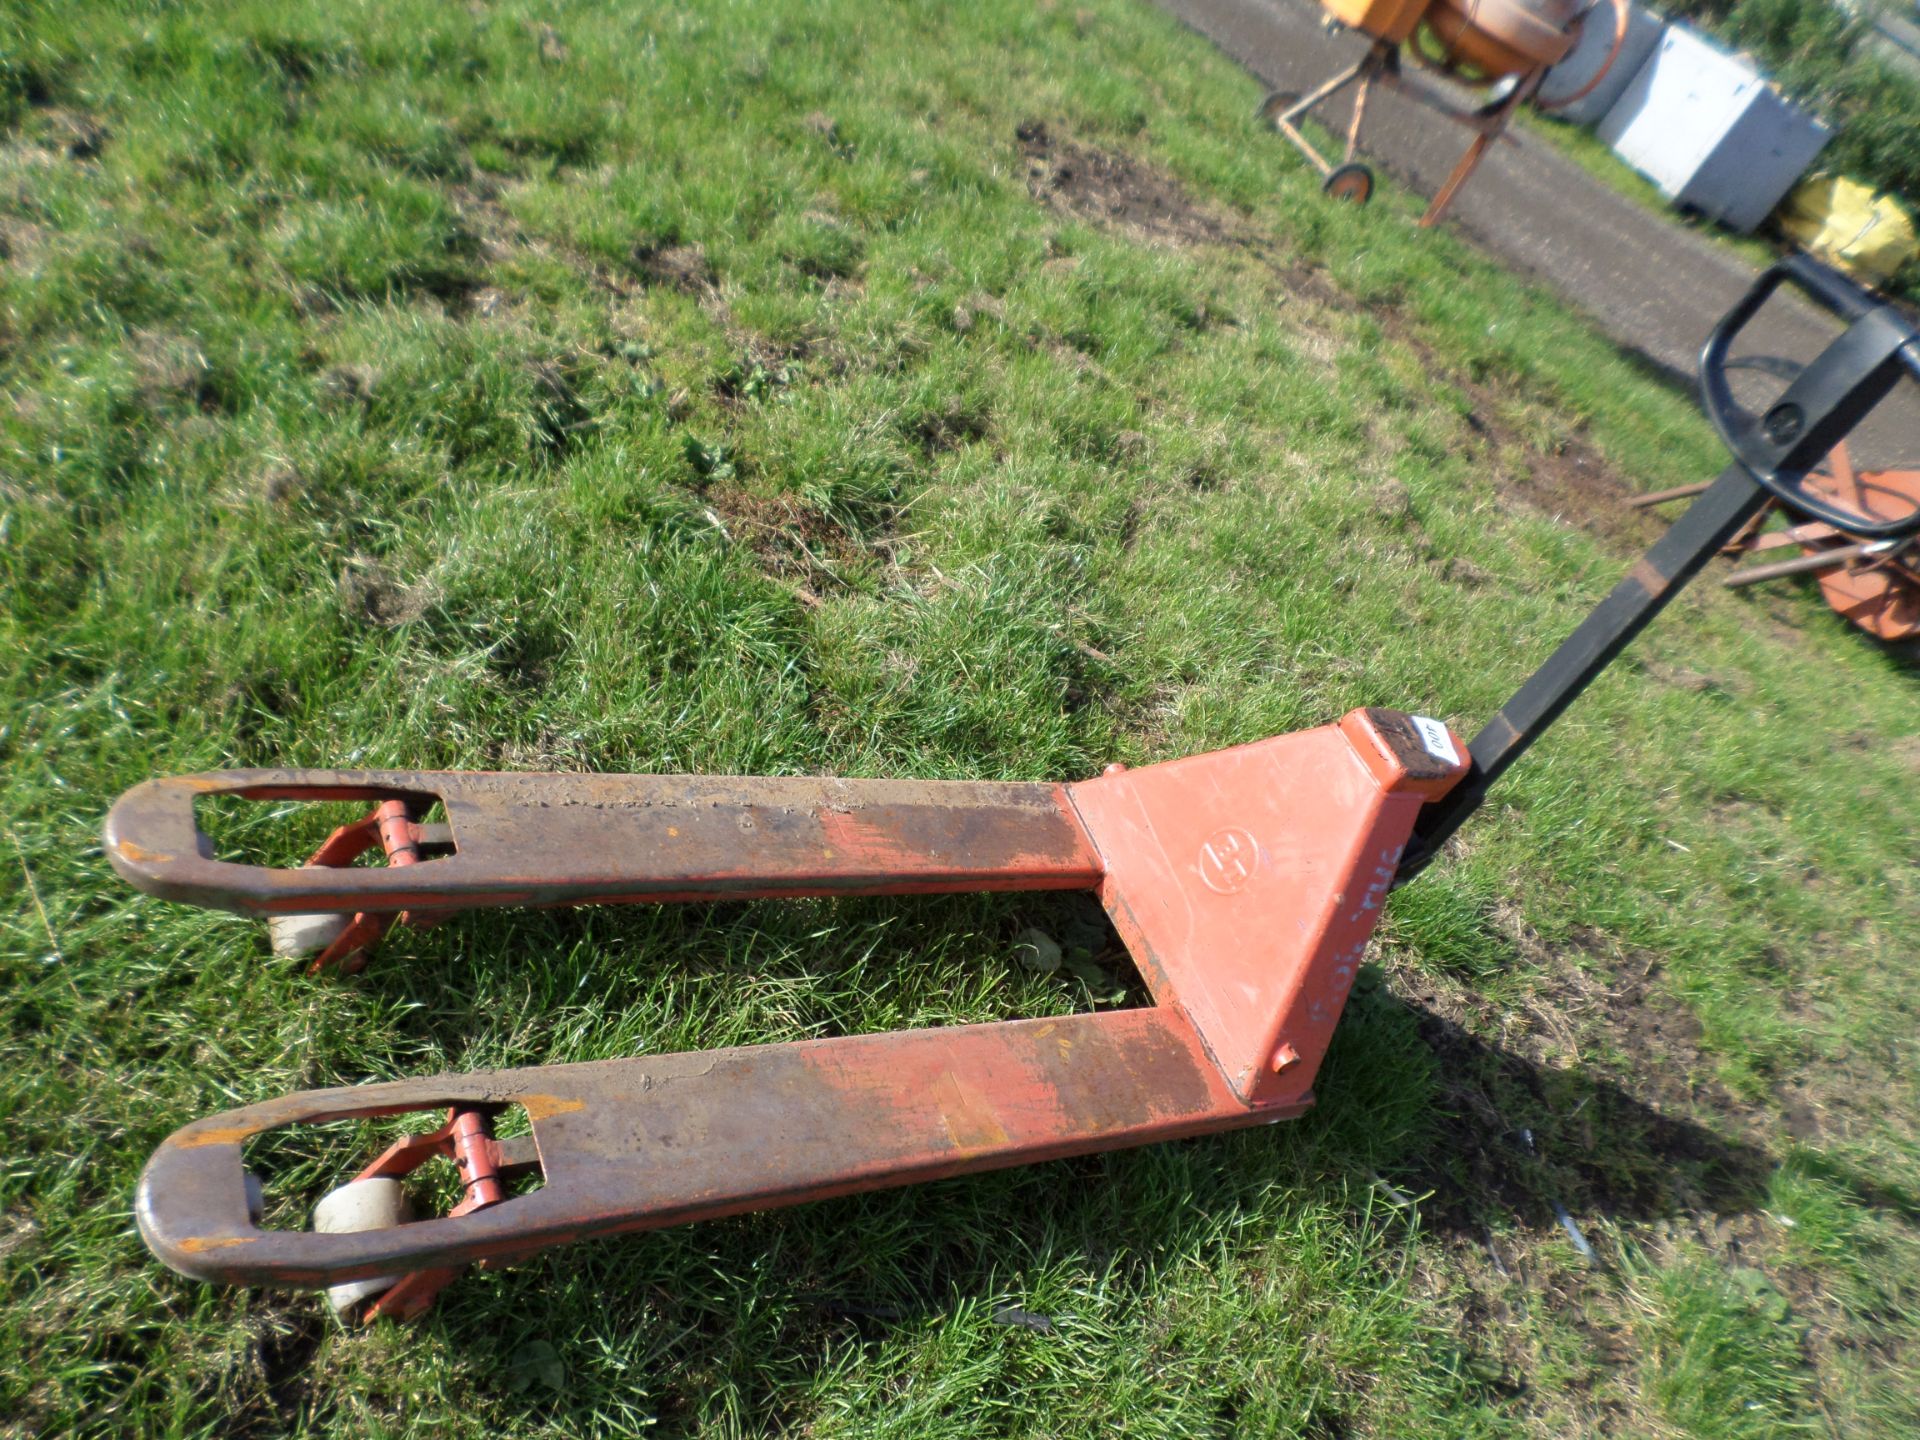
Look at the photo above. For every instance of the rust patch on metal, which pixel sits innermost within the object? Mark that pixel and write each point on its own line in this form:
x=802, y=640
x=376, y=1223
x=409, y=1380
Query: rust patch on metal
x=1500, y=730
x=545, y=1107
x=971, y=1121
x=216, y=1135
x=1649, y=579
x=140, y=855
x=200, y=1244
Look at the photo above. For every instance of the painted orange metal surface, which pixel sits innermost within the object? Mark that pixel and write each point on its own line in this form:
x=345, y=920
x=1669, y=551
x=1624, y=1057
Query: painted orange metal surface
x=1491, y=39
x=1245, y=883
x=1285, y=848
x=1391, y=20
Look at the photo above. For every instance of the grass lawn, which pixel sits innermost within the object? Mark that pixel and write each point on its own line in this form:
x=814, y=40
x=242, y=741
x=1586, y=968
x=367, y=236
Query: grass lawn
x=910, y=391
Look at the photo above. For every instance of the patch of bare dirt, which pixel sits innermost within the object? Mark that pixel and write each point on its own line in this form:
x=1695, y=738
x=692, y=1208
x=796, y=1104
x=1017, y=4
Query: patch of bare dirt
x=950, y=425
x=348, y=386
x=1116, y=189
x=1573, y=482
x=553, y=48
x=1463, y=572
x=75, y=133
x=16, y=1230
x=21, y=241
x=677, y=267
x=169, y=367
x=828, y=129
x=560, y=414
x=1570, y=480
x=369, y=592
x=969, y=311
x=1906, y=749
x=1681, y=677
x=791, y=540
x=53, y=133
x=1800, y=1115
x=1531, y=1121
x=280, y=484
x=490, y=302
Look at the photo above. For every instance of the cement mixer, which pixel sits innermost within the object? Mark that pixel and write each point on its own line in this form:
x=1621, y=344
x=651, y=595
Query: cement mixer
x=1508, y=45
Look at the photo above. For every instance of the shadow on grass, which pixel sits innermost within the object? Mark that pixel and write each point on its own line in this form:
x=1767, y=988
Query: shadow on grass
x=1412, y=1104
x=1513, y=1138
x=758, y=1309
x=1486, y=1136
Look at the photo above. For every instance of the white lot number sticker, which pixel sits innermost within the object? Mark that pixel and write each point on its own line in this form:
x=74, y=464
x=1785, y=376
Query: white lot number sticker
x=1434, y=736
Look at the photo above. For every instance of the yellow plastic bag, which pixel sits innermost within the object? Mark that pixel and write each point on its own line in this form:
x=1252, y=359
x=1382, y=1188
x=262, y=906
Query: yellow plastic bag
x=1844, y=223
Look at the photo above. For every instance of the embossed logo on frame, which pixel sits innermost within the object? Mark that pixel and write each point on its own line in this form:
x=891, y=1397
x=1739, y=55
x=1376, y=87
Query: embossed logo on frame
x=1227, y=860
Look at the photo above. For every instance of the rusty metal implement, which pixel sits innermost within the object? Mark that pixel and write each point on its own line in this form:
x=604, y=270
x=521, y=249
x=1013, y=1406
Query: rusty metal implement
x=1244, y=883
x=1874, y=584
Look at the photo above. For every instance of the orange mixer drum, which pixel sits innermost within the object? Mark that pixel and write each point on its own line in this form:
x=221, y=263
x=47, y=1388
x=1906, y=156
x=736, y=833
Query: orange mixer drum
x=1491, y=39
x=1391, y=20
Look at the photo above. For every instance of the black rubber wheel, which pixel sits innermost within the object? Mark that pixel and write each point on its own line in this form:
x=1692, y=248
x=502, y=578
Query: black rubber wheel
x=1276, y=105
x=1352, y=182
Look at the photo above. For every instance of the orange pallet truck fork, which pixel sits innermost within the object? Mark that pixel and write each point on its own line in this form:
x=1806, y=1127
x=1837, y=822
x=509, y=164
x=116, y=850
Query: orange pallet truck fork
x=1245, y=884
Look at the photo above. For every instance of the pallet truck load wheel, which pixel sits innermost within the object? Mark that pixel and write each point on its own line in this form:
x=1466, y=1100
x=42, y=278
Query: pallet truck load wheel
x=297, y=937
x=302, y=936
x=1352, y=183
x=356, y=1207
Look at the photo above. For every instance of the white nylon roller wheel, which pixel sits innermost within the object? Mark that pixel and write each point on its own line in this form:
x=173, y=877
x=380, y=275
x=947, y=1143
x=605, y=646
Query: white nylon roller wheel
x=357, y=1206
x=295, y=937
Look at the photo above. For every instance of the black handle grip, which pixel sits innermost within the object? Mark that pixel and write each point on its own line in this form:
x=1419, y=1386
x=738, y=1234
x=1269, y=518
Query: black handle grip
x=1828, y=287
x=1831, y=396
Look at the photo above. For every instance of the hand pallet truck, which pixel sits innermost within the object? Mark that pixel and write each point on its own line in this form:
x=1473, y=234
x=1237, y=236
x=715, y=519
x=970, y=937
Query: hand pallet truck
x=1245, y=883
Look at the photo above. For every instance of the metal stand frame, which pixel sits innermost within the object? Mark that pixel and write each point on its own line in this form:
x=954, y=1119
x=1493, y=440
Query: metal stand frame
x=1381, y=66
